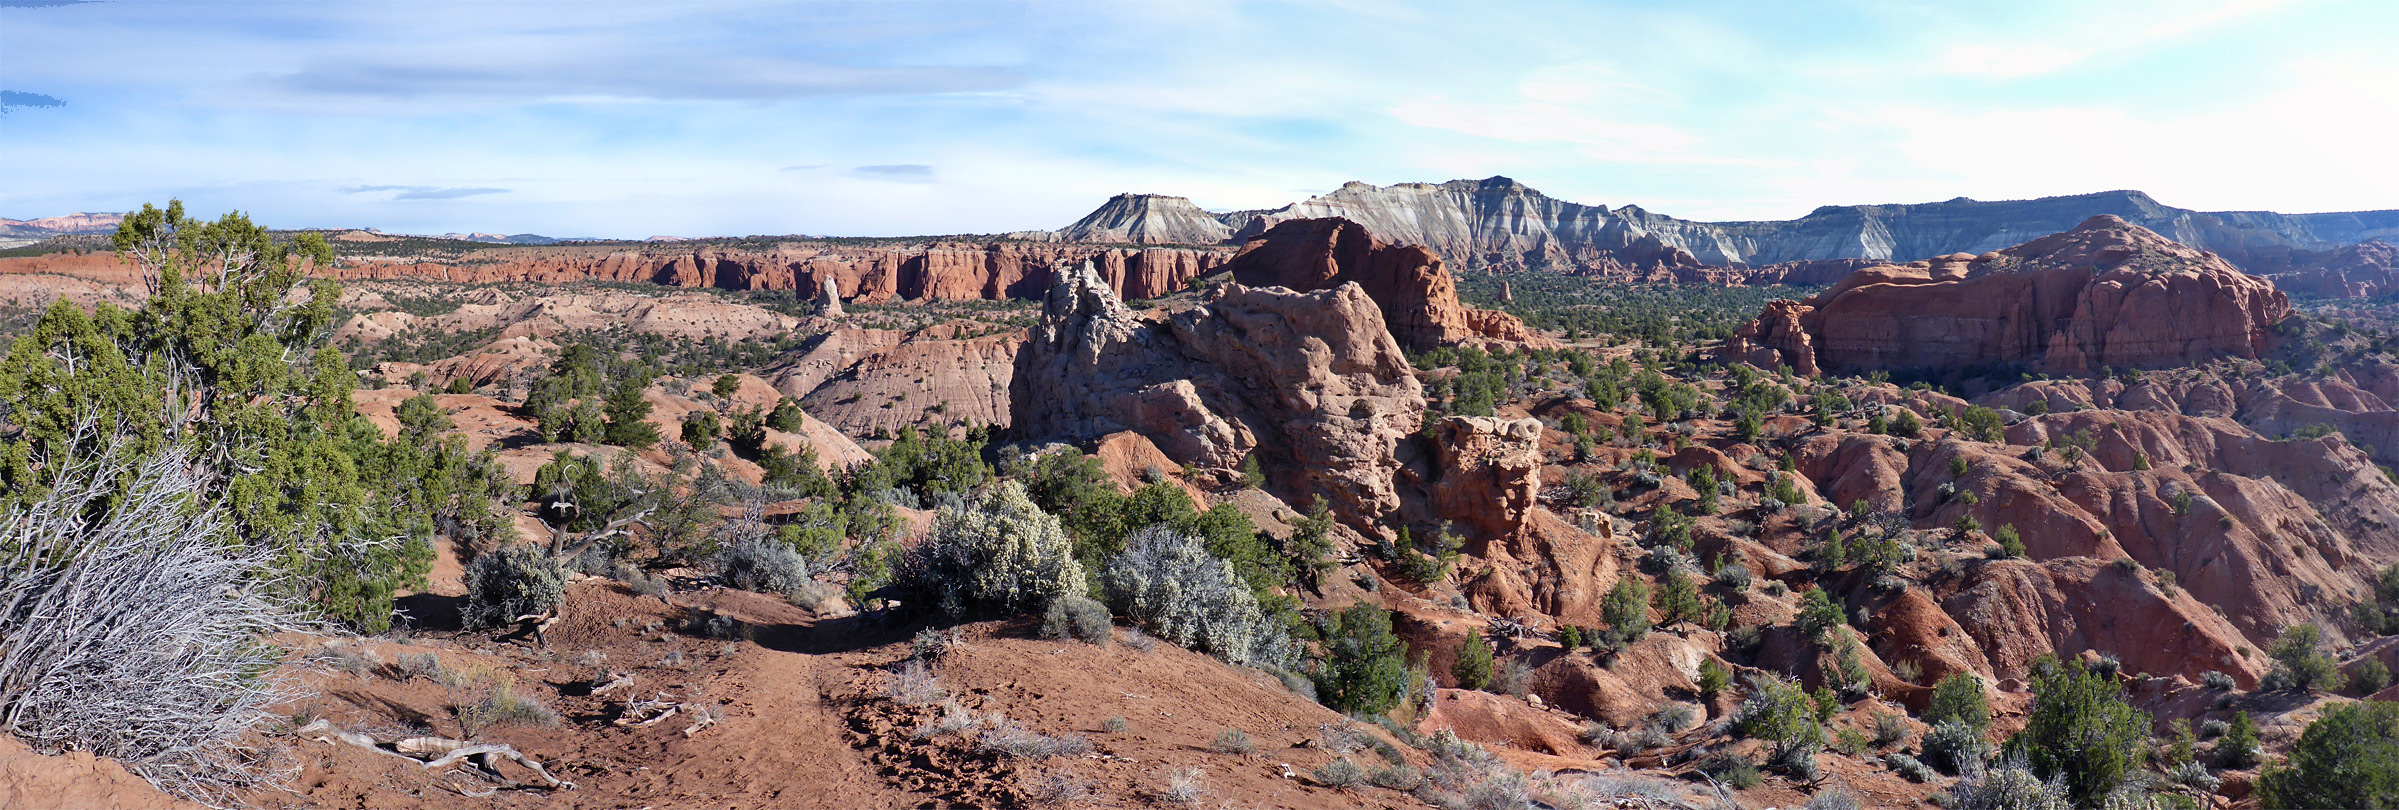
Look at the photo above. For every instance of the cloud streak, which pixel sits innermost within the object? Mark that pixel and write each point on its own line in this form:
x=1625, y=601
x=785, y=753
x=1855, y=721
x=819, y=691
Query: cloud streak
x=424, y=192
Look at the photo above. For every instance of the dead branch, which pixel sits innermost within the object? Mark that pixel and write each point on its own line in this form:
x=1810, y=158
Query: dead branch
x=435, y=753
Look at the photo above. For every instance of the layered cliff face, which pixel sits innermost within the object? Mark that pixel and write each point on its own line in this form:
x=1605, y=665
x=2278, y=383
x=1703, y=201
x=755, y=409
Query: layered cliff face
x=1498, y=222
x=2106, y=294
x=948, y=271
x=1418, y=298
x=1310, y=382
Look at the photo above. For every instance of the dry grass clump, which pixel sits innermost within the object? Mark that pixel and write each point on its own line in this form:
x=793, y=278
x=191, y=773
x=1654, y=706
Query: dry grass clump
x=504, y=706
x=914, y=685
x=1009, y=739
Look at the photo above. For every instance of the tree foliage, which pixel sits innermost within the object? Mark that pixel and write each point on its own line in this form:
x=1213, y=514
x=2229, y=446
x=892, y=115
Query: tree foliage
x=2348, y=757
x=2083, y=733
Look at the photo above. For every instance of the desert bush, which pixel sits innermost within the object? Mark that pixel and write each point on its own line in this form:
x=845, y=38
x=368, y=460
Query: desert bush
x=503, y=706
x=1076, y=616
x=2347, y=757
x=1232, y=741
x=999, y=555
x=2217, y=680
x=1889, y=728
x=1167, y=582
x=1713, y=677
x=1009, y=739
x=1339, y=774
x=931, y=644
x=764, y=565
x=1832, y=798
x=1910, y=768
x=134, y=627
x=2211, y=729
x=1779, y=712
x=1395, y=777
x=1955, y=747
x=511, y=581
x=2009, y=786
x=2194, y=775
x=1732, y=770
x=1114, y=725
x=1057, y=788
x=1514, y=677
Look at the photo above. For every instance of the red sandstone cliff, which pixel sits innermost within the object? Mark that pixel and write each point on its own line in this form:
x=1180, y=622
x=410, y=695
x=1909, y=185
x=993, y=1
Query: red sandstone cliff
x=2107, y=293
x=1418, y=297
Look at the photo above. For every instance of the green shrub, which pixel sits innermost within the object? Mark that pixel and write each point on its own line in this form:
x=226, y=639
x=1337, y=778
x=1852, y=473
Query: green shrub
x=1713, y=677
x=1363, y=669
x=1959, y=697
x=1232, y=741
x=1818, y=615
x=511, y=581
x=2370, y=676
x=2238, y=747
x=1339, y=774
x=2348, y=757
x=1678, y=599
x=1780, y=712
x=1626, y=610
x=2083, y=733
x=2299, y=664
x=2010, y=543
x=1473, y=666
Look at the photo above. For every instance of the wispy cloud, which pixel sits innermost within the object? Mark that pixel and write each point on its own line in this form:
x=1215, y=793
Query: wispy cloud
x=651, y=77
x=424, y=192
x=896, y=172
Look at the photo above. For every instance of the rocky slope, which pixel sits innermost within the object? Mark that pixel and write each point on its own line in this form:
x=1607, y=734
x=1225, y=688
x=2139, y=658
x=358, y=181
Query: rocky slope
x=2368, y=269
x=2105, y=294
x=1418, y=298
x=1499, y=222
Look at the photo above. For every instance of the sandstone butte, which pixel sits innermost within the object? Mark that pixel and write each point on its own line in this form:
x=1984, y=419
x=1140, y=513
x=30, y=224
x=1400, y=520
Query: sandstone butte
x=2105, y=294
x=1417, y=295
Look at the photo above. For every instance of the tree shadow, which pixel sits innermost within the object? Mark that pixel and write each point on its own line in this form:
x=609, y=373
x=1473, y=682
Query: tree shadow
x=430, y=612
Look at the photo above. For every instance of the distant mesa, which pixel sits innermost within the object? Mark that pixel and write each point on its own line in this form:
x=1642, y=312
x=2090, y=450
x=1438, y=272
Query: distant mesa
x=1500, y=223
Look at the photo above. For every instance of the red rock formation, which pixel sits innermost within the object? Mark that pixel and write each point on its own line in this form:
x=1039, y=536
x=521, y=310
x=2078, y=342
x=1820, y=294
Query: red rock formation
x=1490, y=472
x=2364, y=270
x=2104, y=294
x=1418, y=298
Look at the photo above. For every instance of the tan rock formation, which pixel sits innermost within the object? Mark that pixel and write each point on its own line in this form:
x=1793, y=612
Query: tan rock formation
x=2106, y=294
x=1490, y=472
x=1417, y=296
x=1309, y=381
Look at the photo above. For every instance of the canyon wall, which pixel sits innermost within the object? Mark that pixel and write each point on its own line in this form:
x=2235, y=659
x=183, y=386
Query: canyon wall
x=1417, y=296
x=873, y=274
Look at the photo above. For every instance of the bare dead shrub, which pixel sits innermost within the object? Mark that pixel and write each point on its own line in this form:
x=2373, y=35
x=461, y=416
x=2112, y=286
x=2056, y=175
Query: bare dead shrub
x=1007, y=738
x=1183, y=788
x=914, y=685
x=132, y=627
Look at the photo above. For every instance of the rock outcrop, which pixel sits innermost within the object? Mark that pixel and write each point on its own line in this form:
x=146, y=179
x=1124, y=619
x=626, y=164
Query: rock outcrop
x=1490, y=473
x=2106, y=294
x=1418, y=298
x=828, y=297
x=1310, y=382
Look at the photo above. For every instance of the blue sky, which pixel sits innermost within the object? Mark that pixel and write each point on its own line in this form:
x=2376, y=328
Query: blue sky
x=694, y=118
